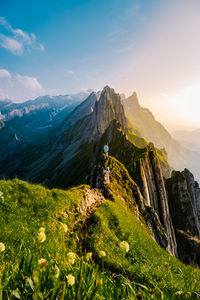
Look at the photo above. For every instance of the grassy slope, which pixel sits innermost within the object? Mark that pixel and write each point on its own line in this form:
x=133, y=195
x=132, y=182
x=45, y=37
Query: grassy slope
x=28, y=207
x=146, y=263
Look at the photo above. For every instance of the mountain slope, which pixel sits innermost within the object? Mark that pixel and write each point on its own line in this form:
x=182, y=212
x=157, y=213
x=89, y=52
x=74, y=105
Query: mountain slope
x=144, y=124
x=149, y=269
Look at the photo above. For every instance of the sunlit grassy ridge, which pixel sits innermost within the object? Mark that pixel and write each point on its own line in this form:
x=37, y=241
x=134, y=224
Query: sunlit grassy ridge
x=144, y=271
x=146, y=263
x=26, y=207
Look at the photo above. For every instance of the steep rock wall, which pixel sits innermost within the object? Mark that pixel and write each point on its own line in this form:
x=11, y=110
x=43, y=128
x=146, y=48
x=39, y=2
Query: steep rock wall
x=183, y=197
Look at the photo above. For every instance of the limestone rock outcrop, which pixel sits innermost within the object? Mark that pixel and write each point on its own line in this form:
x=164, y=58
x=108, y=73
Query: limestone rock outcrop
x=183, y=198
x=108, y=108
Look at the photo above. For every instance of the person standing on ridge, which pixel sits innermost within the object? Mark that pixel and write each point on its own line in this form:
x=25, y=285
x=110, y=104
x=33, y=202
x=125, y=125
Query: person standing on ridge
x=107, y=175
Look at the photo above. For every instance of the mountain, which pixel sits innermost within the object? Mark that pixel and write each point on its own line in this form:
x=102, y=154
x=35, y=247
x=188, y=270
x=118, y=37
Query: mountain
x=137, y=204
x=189, y=139
x=26, y=124
x=72, y=149
x=33, y=117
x=10, y=110
x=143, y=123
x=72, y=155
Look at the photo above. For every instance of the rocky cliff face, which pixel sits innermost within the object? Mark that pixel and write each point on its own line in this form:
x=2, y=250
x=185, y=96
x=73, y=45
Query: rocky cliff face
x=144, y=124
x=108, y=108
x=153, y=188
x=144, y=168
x=183, y=196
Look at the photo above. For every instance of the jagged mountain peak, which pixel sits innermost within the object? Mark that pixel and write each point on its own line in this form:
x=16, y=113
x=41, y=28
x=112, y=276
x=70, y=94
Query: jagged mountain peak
x=132, y=101
x=108, y=108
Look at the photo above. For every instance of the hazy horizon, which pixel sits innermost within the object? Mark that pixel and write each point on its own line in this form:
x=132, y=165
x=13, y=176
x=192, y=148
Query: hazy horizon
x=151, y=48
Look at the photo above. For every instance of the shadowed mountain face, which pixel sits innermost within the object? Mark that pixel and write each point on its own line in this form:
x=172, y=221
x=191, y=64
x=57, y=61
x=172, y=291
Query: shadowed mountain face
x=29, y=120
x=27, y=124
x=144, y=124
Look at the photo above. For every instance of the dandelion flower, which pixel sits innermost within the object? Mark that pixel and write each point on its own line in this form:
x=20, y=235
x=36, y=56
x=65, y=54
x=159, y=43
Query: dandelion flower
x=102, y=253
x=89, y=256
x=70, y=279
x=71, y=257
x=124, y=246
x=42, y=261
x=41, y=237
x=2, y=247
x=42, y=229
x=65, y=227
x=57, y=271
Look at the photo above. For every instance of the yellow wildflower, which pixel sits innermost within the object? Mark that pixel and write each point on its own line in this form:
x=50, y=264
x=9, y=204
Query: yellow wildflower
x=178, y=293
x=124, y=246
x=2, y=247
x=71, y=257
x=188, y=294
x=89, y=256
x=42, y=261
x=41, y=237
x=102, y=253
x=70, y=279
x=42, y=229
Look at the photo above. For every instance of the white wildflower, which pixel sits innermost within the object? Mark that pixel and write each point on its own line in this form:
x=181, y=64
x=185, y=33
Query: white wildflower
x=124, y=246
x=70, y=279
x=71, y=257
x=2, y=247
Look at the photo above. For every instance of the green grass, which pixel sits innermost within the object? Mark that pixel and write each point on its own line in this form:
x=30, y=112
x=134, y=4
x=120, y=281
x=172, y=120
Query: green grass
x=145, y=271
x=27, y=207
x=146, y=263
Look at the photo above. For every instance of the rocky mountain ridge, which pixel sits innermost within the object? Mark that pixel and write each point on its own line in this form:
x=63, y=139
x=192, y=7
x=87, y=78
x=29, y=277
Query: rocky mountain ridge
x=143, y=123
x=72, y=155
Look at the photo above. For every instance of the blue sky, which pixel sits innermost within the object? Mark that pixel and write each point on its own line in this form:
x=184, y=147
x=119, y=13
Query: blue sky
x=84, y=41
x=60, y=47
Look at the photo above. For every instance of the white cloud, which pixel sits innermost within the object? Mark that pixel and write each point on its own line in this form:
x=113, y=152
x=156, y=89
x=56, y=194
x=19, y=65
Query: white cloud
x=4, y=74
x=29, y=82
x=11, y=44
x=18, y=87
x=16, y=40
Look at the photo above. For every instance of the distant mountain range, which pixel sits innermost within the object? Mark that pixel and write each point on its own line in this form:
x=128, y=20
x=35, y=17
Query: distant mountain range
x=53, y=129
x=189, y=139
